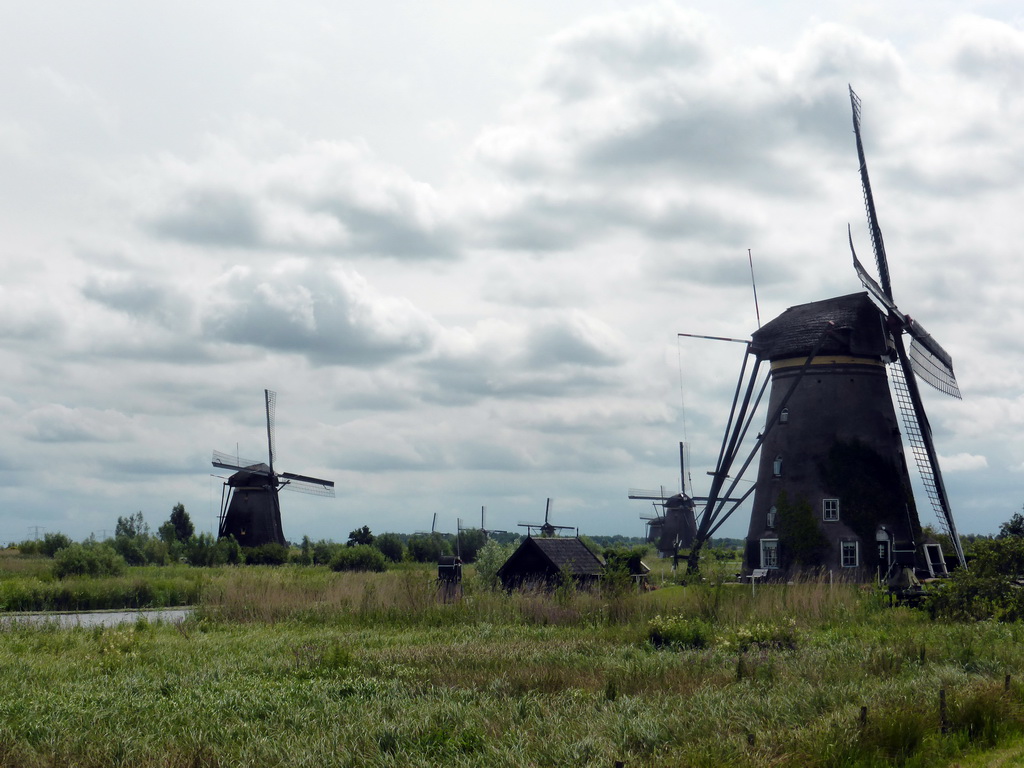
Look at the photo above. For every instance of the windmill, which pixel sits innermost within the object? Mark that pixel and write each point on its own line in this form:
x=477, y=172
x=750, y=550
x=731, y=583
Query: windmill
x=546, y=528
x=673, y=527
x=250, y=509
x=483, y=524
x=433, y=528
x=833, y=488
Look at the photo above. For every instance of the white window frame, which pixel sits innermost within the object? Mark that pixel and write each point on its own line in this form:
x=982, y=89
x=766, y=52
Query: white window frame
x=844, y=549
x=771, y=518
x=784, y=416
x=830, y=510
x=777, y=466
x=770, y=553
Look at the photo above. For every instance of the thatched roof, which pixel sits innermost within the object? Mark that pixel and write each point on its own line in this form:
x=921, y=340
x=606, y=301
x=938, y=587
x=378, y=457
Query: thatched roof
x=546, y=559
x=857, y=329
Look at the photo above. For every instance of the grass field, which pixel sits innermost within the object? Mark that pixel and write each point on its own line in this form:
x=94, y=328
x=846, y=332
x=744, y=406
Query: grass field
x=301, y=666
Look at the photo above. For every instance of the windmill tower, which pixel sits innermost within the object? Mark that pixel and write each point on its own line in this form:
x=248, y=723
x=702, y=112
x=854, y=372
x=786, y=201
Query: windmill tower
x=250, y=509
x=833, y=487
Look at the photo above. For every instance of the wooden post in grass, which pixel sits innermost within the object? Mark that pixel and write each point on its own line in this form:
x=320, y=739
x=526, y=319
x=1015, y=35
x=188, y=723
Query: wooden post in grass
x=863, y=718
x=1006, y=684
x=942, y=711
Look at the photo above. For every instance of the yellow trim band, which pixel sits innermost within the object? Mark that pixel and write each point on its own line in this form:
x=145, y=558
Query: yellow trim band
x=797, y=362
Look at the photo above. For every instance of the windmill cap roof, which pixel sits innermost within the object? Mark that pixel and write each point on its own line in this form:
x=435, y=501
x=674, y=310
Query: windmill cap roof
x=857, y=328
x=257, y=474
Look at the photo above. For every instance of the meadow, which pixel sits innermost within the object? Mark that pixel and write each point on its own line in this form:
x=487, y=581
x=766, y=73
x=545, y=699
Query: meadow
x=304, y=666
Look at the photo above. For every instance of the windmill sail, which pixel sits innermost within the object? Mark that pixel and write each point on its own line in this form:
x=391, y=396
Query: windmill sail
x=271, y=402
x=923, y=449
x=231, y=461
x=926, y=359
x=932, y=363
x=877, y=244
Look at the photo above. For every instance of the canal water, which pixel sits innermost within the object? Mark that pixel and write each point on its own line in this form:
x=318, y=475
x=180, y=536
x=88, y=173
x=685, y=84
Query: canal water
x=95, y=618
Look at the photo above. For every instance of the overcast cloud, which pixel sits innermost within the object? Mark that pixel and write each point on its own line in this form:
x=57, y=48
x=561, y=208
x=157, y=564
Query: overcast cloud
x=459, y=241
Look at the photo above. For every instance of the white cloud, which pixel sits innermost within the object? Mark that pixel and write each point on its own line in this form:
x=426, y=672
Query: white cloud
x=266, y=189
x=331, y=315
x=963, y=462
x=461, y=256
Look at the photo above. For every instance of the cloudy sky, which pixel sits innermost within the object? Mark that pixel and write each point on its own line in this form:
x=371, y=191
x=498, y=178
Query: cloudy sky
x=459, y=239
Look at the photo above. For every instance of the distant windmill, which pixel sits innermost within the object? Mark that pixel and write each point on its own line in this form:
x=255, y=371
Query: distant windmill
x=250, y=509
x=433, y=528
x=673, y=526
x=546, y=528
x=483, y=524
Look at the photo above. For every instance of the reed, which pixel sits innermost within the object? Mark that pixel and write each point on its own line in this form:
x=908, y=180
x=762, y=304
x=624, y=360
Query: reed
x=297, y=666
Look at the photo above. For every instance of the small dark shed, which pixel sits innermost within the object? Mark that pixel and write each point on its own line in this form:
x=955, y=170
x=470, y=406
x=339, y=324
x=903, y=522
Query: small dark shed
x=543, y=561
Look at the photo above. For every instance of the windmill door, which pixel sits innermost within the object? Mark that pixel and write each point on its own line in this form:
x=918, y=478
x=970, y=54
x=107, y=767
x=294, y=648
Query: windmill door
x=883, y=556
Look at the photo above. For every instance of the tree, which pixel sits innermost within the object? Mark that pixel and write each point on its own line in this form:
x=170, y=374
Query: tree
x=428, y=548
x=360, y=536
x=183, y=528
x=391, y=546
x=800, y=539
x=1013, y=527
x=53, y=543
x=489, y=559
x=130, y=527
x=470, y=542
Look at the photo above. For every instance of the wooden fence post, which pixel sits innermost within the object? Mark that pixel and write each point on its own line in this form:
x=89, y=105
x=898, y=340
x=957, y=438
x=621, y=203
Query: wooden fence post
x=942, y=711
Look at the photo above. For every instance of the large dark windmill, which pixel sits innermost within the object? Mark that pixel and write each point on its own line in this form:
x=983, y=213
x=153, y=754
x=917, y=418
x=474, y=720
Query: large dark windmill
x=250, y=509
x=833, y=488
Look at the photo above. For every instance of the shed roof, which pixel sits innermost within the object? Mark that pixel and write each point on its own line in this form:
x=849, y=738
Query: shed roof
x=544, y=558
x=570, y=555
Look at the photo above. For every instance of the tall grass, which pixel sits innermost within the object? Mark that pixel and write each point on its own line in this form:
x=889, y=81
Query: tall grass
x=299, y=666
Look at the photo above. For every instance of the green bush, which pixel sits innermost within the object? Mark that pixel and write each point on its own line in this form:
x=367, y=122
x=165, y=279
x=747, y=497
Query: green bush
x=324, y=551
x=87, y=560
x=428, y=548
x=53, y=543
x=204, y=550
x=778, y=636
x=679, y=632
x=360, y=557
x=391, y=546
x=989, y=590
x=489, y=559
x=267, y=554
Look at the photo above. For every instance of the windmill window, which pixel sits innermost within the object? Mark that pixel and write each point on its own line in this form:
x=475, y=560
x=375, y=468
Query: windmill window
x=772, y=514
x=850, y=554
x=769, y=553
x=830, y=509
x=784, y=416
x=777, y=467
